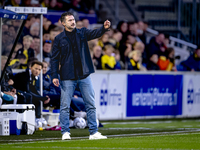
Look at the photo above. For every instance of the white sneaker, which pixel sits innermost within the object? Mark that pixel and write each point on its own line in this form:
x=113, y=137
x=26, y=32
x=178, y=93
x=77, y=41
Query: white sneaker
x=66, y=136
x=97, y=136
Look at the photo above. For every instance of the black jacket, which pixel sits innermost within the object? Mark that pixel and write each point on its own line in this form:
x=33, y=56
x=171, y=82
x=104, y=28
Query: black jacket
x=152, y=66
x=22, y=82
x=7, y=76
x=31, y=52
x=62, y=53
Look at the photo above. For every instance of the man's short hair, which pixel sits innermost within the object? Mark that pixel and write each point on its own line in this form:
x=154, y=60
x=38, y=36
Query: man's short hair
x=62, y=19
x=36, y=62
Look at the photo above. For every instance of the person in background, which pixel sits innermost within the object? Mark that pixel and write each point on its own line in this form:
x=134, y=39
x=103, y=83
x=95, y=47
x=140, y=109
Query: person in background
x=167, y=60
x=141, y=31
x=134, y=62
x=53, y=33
x=35, y=29
x=108, y=61
x=49, y=89
x=28, y=82
x=47, y=51
x=152, y=64
x=124, y=55
x=134, y=30
x=8, y=92
x=97, y=54
x=12, y=31
x=156, y=45
x=19, y=62
x=79, y=24
x=17, y=47
x=110, y=32
x=35, y=45
x=55, y=5
x=46, y=24
x=15, y=3
x=4, y=28
x=193, y=61
x=170, y=52
x=46, y=36
x=26, y=50
x=86, y=23
x=115, y=39
x=119, y=64
x=45, y=3
x=29, y=21
x=141, y=47
x=122, y=27
x=103, y=40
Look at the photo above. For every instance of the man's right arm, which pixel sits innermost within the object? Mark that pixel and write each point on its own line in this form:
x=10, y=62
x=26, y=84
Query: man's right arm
x=55, y=59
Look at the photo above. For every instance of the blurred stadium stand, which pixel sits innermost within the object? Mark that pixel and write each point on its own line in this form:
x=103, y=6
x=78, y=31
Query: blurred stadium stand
x=179, y=18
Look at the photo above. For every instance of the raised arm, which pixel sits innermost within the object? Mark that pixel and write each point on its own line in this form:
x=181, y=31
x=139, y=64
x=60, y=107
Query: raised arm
x=96, y=33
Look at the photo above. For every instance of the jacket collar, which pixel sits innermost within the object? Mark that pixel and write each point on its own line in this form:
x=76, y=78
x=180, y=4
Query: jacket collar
x=63, y=34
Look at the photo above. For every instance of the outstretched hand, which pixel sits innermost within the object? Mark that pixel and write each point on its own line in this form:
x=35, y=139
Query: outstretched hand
x=107, y=24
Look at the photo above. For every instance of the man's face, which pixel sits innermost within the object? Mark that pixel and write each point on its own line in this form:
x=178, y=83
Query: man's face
x=97, y=51
x=35, y=31
x=45, y=66
x=26, y=43
x=136, y=57
x=53, y=34
x=36, y=69
x=117, y=36
x=79, y=24
x=36, y=45
x=86, y=23
x=47, y=47
x=46, y=36
x=69, y=22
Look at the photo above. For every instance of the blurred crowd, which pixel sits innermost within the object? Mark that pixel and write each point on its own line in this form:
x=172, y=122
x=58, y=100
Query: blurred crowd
x=122, y=48
x=85, y=6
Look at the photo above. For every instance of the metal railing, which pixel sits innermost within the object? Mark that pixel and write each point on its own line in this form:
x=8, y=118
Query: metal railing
x=184, y=23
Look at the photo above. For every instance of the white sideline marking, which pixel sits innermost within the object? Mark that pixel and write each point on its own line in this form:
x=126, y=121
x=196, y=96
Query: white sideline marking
x=151, y=122
x=126, y=128
x=146, y=122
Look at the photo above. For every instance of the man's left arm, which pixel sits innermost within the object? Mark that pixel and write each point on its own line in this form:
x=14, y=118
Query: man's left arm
x=96, y=33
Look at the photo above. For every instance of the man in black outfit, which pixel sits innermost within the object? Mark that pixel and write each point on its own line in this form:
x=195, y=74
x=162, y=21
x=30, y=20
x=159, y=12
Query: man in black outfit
x=71, y=52
x=28, y=83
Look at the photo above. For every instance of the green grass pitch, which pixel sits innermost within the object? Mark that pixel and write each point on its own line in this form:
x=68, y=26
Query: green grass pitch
x=122, y=135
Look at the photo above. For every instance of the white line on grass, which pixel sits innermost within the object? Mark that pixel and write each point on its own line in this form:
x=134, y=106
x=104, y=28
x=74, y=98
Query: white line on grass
x=148, y=122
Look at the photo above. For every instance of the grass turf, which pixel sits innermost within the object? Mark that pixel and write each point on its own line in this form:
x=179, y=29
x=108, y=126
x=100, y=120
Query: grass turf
x=176, y=141
x=139, y=138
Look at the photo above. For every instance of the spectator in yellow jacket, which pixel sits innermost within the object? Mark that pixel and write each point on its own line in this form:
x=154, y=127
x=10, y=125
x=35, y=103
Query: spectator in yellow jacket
x=108, y=61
